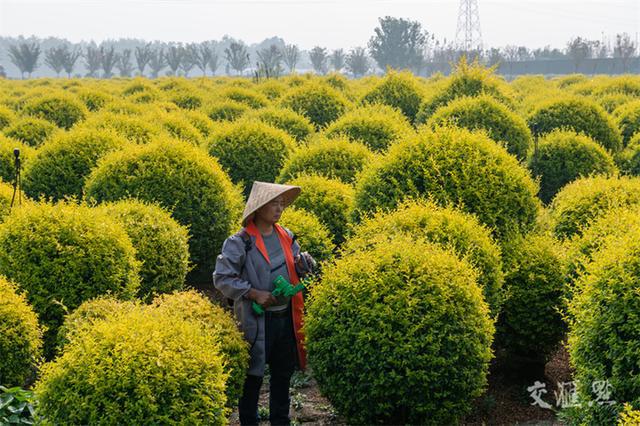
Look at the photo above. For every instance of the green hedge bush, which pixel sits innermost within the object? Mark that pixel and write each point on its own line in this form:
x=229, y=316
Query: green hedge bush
x=64, y=254
x=20, y=336
x=312, y=235
x=192, y=306
x=296, y=125
x=486, y=113
x=334, y=158
x=162, y=245
x=135, y=129
x=628, y=160
x=585, y=199
x=59, y=168
x=181, y=178
x=397, y=90
x=627, y=118
x=225, y=110
x=143, y=368
x=376, y=126
x=445, y=226
x=330, y=200
x=6, y=194
x=62, y=110
x=30, y=131
x=531, y=323
x=7, y=116
x=381, y=360
x=455, y=166
x=563, y=156
x=249, y=97
x=320, y=103
x=578, y=114
x=250, y=151
x=7, y=158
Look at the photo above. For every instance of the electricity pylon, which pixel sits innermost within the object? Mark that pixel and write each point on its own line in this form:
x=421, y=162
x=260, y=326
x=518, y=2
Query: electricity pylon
x=468, y=35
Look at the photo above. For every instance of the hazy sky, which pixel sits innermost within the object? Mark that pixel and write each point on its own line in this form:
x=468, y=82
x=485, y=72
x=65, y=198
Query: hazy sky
x=329, y=23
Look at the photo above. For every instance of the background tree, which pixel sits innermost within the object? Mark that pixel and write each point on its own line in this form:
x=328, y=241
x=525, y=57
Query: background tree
x=494, y=56
x=157, y=61
x=108, y=59
x=70, y=58
x=92, y=60
x=624, y=49
x=54, y=58
x=237, y=56
x=337, y=59
x=203, y=54
x=143, y=56
x=214, y=62
x=357, y=61
x=123, y=63
x=290, y=56
x=173, y=57
x=398, y=43
x=189, y=58
x=270, y=61
x=25, y=57
x=578, y=49
x=318, y=57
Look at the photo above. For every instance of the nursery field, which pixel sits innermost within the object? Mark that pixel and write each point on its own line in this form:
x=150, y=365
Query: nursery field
x=478, y=239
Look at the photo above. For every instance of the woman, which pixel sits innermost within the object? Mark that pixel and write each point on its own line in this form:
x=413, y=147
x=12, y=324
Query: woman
x=245, y=270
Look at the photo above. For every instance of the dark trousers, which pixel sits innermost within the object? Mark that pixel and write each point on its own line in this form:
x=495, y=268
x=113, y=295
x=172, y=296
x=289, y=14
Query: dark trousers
x=280, y=347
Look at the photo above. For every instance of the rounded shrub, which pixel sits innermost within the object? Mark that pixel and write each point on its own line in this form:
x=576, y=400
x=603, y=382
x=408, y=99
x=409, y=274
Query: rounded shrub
x=192, y=306
x=446, y=226
x=485, y=113
x=63, y=111
x=162, y=245
x=334, y=158
x=296, y=125
x=200, y=121
x=93, y=99
x=453, y=166
x=250, y=151
x=563, y=156
x=30, y=131
x=135, y=129
x=377, y=126
x=381, y=360
x=225, y=110
x=612, y=101
x=586, y=199
x=20, y=336
x=604, y=329
x=311, y=234
x=181, y=178
x=530, y=325
x=320, y=103
x=628, y=160
x=397, y=90
x=6, y=194
x=249, y=97
x=7, y=116
x=143, y=368
x=60, y=167
x=328, y=199
x=468, y=80
x=578, y=114
x=64, y=254
x=7, y=157
x=179, y=128
x=186, y=99
x=628, y=120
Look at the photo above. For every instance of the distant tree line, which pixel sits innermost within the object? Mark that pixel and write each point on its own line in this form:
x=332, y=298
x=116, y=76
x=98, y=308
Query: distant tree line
x=396, y=43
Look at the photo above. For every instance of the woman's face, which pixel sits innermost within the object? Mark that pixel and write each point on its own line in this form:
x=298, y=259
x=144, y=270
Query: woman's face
x=271, y=211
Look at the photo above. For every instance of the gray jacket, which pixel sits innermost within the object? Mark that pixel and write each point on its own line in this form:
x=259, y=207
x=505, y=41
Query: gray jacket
x=234, y=281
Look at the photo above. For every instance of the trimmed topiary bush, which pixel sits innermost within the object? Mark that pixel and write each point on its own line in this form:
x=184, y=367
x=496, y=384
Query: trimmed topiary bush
x=135, y=129
x=334, y=158
x=453, y=166
x=382, y=360
x=225, y=110
x=64, y=254
x=61, y=110
x=7, y=116
x=445, y=226
x=162, y=245
x=628, y=160
x=249, y=97
x=329, y=200
x=628, y=120
x=20, y=336
x=186, y=99
x=296, y=125
x=563, y=156
x=604, y=330
x=580, y=115
x=311, y=234
x=485, y=113
x=250, y=151
x=530, y=325
x=192, y=306
x=586, y=199
x=143, y=368
x=181, y=178
x=398, y=90
x=6, y=194
x=94, y=100
x=7, y=158
x=376, y=126
x=179, y=128
x=30, y=131
x=60, y=167
x=320, y=103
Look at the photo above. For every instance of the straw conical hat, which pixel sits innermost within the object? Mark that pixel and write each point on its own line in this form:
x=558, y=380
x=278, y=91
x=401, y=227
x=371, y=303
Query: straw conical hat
x=263, y=192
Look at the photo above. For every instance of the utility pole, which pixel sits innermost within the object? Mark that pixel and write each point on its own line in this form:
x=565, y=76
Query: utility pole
x=468, y=35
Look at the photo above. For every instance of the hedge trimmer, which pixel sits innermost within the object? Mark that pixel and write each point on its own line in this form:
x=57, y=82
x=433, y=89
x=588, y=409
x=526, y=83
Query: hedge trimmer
x=283, y=288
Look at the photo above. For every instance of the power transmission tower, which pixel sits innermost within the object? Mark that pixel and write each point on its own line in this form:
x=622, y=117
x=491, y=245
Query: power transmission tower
x=468, y=35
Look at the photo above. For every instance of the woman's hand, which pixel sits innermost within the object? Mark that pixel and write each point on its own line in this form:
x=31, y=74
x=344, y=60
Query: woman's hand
x=261, y=297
